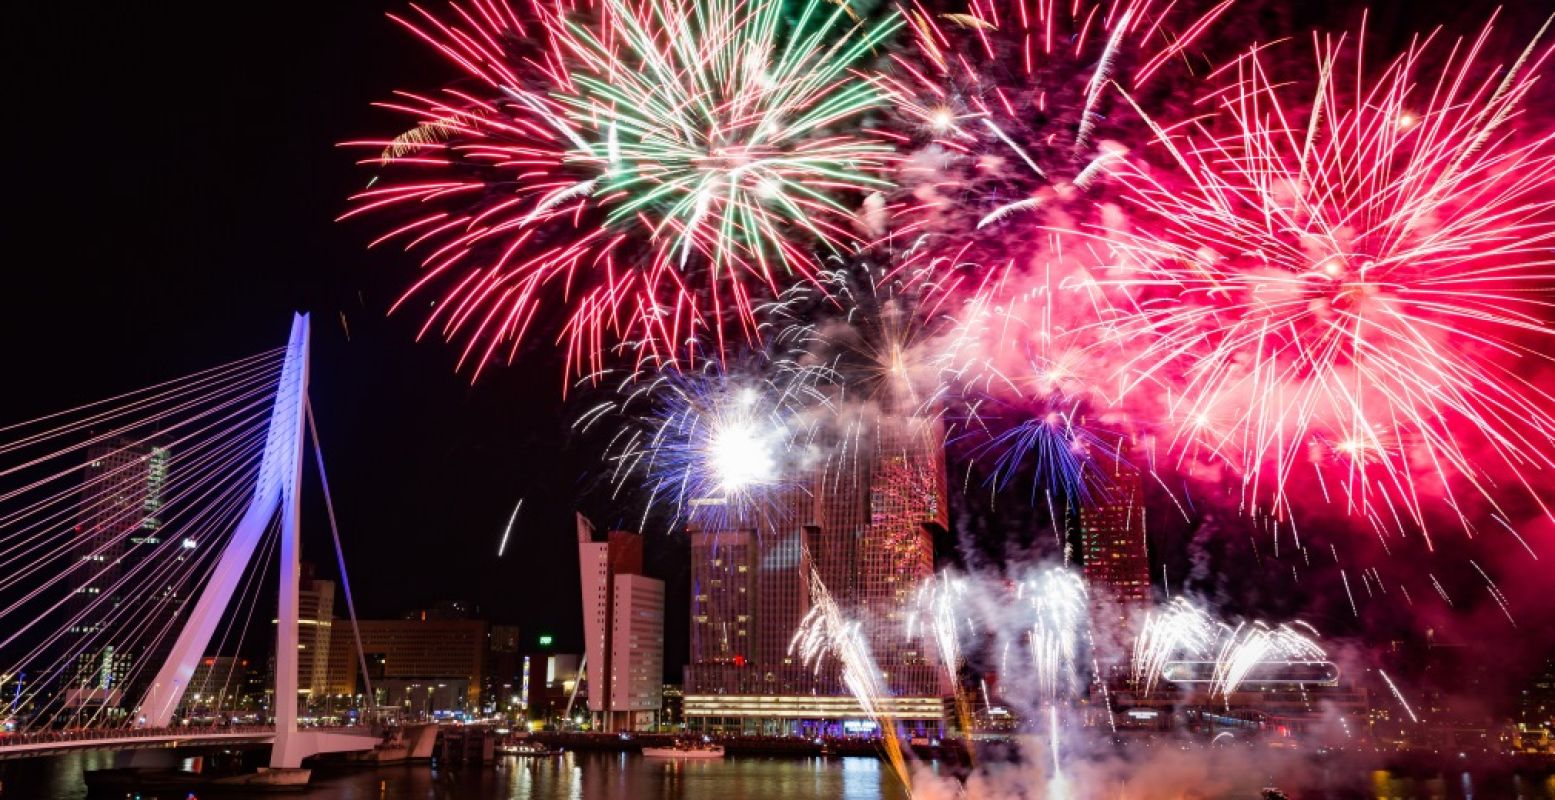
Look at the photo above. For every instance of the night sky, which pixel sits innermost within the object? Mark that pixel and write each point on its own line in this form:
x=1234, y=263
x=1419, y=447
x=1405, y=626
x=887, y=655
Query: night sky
x=173, y=180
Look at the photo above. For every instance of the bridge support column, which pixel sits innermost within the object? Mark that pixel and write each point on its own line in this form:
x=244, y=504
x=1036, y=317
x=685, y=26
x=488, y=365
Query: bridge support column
x=280, y=476
x=288, y=751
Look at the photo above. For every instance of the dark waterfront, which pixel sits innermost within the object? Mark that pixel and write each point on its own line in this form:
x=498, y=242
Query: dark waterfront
x=606, y=776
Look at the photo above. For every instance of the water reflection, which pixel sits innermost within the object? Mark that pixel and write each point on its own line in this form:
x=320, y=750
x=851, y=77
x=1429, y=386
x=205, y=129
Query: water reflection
x=607, y=776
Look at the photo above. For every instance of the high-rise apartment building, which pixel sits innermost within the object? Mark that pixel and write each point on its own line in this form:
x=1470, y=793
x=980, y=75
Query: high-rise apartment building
x=723, y=608
x=750, y=591
x=623, y=628
x=636, y=651
x=118, y=526
x=862, y=525
x=315, y=629
x=906, y=495
x=1113, y=548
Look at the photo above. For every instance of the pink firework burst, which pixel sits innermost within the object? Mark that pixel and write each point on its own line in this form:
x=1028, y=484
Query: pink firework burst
x=1011, y=102
x=642, y=173
x=1352, y=283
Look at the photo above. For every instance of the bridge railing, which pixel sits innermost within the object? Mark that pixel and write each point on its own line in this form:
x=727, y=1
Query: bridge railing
x=96, y=734
x=169, y=732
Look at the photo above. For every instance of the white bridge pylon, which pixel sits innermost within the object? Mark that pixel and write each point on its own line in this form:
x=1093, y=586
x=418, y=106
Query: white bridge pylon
x=277, y=491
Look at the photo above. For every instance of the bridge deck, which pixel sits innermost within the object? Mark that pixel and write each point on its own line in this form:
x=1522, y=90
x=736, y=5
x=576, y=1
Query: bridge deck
x=34, y=745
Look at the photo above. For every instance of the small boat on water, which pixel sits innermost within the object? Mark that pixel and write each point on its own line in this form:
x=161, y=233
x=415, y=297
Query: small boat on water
x=527, y=748
x=686, y=749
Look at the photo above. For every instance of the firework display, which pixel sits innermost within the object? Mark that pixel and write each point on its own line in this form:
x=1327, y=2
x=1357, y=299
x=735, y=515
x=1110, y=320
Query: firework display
x=657, y=164
x=1351, y=280
x=812, y=262
x=1065, y=231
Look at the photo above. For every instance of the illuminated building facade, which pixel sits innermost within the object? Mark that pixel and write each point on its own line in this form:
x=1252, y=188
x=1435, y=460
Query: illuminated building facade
x=623, y=628
x=1113, y=547
x=118, y=524
x=315, y=626
x=219, y=686
x=863, y=526
x=723, y=609
x=425, y=664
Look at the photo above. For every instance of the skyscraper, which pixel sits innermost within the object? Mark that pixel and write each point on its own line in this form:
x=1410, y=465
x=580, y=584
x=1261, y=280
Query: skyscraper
x=723, y=609
x=860, y=524
x=896, y=554
x=315, y=630
x=118, y=526
x=1114, y=553
x=623, y=628
x=750, y=590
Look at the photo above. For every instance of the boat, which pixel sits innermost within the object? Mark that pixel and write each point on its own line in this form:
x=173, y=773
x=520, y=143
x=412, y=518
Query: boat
x=527, y=748
x=686, y=749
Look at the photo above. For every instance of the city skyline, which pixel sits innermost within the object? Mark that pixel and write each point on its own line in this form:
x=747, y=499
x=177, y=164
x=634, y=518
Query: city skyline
x=475, y=447
x=790, y=369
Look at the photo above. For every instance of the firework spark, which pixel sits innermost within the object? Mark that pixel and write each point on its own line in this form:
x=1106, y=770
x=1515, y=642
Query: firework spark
x=1182, y=630
x=827, y=631
x=1007, y=97
x=1352, y=284
x=657, y=166
x=1251, y=644
x=718, y=444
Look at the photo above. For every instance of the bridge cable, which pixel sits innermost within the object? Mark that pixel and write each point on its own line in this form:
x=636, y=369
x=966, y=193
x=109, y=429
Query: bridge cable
x=340, y=557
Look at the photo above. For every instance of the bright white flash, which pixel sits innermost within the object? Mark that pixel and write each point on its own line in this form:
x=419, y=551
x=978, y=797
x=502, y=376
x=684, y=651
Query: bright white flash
x=740, y=455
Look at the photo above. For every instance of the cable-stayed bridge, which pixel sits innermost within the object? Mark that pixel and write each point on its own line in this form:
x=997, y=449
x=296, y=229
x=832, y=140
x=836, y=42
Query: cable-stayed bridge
x=142, y=533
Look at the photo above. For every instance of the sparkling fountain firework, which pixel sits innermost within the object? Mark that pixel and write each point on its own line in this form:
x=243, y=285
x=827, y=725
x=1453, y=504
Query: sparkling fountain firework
x=1181, y=630
x=827, y=632
x=1035, y=631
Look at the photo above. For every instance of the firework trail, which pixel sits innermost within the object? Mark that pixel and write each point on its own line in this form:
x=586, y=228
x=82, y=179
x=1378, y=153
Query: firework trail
x=657, y=166
x=507, y=530
x=1399, y=696
x=1057, y=603
x=1009, y=223
x=873, y=325
x=1180, y=631
x=1251, y=644
x=827, y=632
x=1037, y=624
x=1028, y=367
x=1351, y=283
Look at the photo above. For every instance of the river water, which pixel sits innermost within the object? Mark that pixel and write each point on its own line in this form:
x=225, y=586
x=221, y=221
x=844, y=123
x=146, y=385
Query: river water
x=607, y=776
